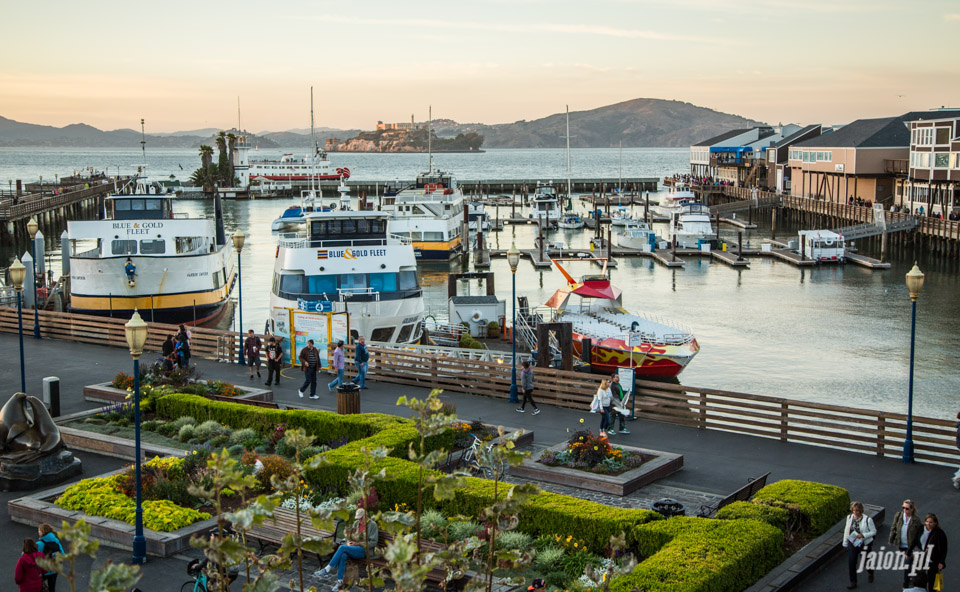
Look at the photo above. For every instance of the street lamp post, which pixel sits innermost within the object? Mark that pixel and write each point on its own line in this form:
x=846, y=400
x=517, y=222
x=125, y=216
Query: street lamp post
x=136, y=331
x=32, y=228
x=513, y=258
x=17, y=272
x=914, y=284
x=238, y=239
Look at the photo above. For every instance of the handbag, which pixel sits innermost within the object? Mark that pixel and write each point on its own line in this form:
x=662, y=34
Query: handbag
x=938, y=582
x=595, y=404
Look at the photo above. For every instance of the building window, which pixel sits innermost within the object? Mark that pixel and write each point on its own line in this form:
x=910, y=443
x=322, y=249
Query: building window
x=943, y=136
x=941, y=160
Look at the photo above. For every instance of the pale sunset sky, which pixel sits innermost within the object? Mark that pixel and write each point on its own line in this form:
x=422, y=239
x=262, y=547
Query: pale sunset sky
x=182, y=65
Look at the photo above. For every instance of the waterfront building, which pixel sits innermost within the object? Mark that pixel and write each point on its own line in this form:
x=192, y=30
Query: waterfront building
x=778, y=169
x=860, y=160
x=739, y=157
x=931, y=174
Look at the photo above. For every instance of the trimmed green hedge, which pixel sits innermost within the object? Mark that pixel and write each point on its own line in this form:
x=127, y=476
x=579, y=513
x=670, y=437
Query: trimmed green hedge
x=702, y=555
x=817, y=505
x=773, y=515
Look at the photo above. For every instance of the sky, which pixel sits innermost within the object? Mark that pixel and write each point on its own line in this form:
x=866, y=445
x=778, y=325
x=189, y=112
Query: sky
x=184, y=65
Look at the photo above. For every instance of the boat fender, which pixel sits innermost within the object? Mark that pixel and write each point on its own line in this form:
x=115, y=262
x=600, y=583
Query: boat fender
x=828, y=243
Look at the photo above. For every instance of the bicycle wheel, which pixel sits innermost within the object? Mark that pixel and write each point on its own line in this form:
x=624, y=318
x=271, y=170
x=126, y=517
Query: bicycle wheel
x=192, y=586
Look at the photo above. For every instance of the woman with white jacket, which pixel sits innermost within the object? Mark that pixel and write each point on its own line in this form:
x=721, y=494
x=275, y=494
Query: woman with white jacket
x=858, y=537
x=602, y=402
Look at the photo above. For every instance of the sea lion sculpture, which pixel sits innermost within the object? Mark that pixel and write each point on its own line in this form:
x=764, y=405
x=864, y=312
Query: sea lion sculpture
x=31, y=451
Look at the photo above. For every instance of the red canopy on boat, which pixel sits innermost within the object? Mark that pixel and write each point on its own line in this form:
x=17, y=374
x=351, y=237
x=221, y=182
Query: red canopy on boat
x=597, y=289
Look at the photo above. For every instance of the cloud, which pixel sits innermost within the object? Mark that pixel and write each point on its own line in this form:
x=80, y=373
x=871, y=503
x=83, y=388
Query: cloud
x=953, y=16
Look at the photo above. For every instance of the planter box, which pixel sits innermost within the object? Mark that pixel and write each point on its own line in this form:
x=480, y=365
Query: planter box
x=656, y=465
x=104, y=393
x=39, y=507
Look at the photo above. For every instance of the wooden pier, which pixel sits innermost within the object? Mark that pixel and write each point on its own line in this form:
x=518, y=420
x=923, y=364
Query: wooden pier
x=75, y=201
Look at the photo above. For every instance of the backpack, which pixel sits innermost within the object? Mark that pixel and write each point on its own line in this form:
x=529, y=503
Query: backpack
x=51, y=547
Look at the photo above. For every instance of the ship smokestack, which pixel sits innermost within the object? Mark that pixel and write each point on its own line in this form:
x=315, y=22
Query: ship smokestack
x=218, y=216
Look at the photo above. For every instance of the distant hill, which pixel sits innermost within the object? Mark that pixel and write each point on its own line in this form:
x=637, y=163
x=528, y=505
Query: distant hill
x=638, y=123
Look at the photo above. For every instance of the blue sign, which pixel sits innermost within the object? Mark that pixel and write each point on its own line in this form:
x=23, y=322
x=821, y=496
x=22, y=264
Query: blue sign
x=315, y=305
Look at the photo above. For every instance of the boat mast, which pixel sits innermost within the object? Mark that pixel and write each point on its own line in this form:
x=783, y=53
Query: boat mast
x=620, y=173
x=143, y=144
x=430, y=137
x=569, y=194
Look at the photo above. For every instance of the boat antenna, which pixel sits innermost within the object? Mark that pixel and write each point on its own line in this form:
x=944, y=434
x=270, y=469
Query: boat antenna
x=620, y=172
x=238, y=115
x=430, y=136
x=143, y=143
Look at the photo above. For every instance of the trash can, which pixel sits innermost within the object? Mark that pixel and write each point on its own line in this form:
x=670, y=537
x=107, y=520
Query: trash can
x=668, y=507
x=348, y=399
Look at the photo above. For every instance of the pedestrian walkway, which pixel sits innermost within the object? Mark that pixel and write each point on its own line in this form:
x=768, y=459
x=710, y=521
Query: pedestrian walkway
x=714, y=462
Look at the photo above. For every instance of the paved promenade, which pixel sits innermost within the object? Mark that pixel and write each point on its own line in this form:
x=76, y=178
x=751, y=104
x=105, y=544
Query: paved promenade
x=714, y=462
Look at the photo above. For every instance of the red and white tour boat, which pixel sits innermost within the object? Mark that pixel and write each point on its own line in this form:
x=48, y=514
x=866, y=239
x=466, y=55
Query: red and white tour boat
x=289, y=168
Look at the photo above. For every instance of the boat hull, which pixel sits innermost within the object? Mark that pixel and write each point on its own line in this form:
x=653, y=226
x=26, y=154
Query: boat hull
x=654, y=361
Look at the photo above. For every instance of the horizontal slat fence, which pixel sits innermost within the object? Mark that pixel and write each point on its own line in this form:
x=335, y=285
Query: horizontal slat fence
x=787, y=420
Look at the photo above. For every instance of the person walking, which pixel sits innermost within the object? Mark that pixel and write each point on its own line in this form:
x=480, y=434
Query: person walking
x=28, y=575
x=274, y=360
x=339, y=364
x=362, y=538
x=934, y=539
x=309, y=363
x=905, y=533
x=601, y=402
x=621, y=398
x=858, y=535
x=184, y=336
x=49, y=545
x=251, y=350
x=361, y=358
x=526, y=385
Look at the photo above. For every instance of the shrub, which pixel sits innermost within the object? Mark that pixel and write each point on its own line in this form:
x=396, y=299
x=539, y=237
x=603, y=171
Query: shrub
x=433, y=523
x=236, y=450
x=151, y=426
x=513, y=539
x=220, y=441
x=311, y=451
x=773, y=515
x=170, y=429
x=548, y=559
x=573, y=564
x=211, y=429
x=171, y=467
x=463, y=530
x=187, y=433
x=493, y=329
x=557, y=579
x=242, y=436
x=122, y=381
x=816, y=505
x=273, y=465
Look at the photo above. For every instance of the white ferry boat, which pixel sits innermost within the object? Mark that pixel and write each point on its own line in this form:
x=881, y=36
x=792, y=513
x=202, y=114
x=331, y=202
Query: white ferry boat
x=142, y=255
x=545, y=205
x=477, y=217
x=289, y=168
x=621, y=216
x=349, y=262
x=637, y=235
x=691, y=226
x=429, y=213
x=674, y=200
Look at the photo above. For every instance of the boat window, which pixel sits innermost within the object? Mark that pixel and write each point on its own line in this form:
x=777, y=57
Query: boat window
x=363, y=227
x=405, y=333
x=136, y=204
x=433, y=236
x=216, y=280
x=121, y=205
x=188, y=244
x=153, y=247
x=124, y=247
x=322, y=284
x=382, y=334
x=317, y=227
x=417, y=210
x=334, y=227
x=154, y=204
x=349, y=227
x=353, y=281
x=408, y=280
x=383, y=282
x=292, y=283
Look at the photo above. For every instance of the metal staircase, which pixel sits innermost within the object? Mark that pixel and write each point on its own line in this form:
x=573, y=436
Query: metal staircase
x=859, y=231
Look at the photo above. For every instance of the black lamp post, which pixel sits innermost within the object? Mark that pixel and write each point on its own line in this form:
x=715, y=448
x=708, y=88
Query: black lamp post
x=136, y=331
x=513, y=259
x=32, y=228
x=914, y=284
x=17, y=273
x=238, y=239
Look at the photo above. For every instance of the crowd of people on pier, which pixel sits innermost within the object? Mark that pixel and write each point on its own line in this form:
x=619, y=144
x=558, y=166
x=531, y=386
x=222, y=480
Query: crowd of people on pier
x=700, y=180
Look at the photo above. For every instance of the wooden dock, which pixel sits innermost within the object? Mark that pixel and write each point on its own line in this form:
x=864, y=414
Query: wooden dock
x=731, y=259
x=738, y=223
x=864, y=261
x=72, y=202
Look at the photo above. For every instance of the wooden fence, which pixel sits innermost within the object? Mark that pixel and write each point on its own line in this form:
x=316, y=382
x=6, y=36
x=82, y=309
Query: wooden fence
x=787, y=420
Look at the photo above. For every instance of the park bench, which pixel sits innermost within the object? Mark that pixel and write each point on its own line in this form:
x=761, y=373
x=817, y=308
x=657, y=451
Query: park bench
x=741, y=495
x=284, y=521
x=436, y=575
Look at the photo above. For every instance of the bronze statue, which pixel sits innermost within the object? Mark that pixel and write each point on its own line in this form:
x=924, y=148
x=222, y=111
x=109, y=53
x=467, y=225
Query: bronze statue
x=31, y=451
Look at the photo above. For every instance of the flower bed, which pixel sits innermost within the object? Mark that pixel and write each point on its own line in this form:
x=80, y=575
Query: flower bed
x=587, y=452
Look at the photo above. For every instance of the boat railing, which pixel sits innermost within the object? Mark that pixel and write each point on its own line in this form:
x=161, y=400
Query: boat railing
x=682, y=334
x=299, y=240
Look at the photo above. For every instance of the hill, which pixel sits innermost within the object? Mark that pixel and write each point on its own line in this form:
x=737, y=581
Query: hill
x=638, y=123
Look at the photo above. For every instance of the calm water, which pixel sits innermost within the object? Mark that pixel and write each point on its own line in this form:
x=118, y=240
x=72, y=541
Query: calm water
x=833, y=334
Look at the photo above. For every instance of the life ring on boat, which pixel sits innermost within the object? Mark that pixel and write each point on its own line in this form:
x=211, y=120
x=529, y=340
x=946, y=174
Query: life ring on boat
x=828, y=243
x=448, y=191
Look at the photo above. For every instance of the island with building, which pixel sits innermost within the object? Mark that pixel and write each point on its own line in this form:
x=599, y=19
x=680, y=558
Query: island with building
x=406, y=137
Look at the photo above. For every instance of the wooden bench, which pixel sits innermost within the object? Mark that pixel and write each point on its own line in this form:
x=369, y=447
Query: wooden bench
x=741, y=495
x=436, y=575
x=284, y=522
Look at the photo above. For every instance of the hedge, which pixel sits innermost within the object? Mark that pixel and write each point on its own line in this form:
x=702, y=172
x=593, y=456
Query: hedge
x=773, y=515
x=817, y=505
x=702, y=555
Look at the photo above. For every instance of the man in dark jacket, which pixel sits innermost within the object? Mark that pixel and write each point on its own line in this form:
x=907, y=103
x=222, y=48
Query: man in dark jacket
x=905, y=534
x=309, y=362
x=361, y=358
x=274, y=360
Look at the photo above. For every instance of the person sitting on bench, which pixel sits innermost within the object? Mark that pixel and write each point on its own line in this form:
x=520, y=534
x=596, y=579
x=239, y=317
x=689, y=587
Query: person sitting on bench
x=362, y=538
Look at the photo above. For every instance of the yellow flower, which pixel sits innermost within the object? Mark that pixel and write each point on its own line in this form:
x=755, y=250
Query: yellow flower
x=576, y=544
x=581, y=420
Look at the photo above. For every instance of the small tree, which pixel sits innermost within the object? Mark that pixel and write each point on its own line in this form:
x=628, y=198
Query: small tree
x=112, y=577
